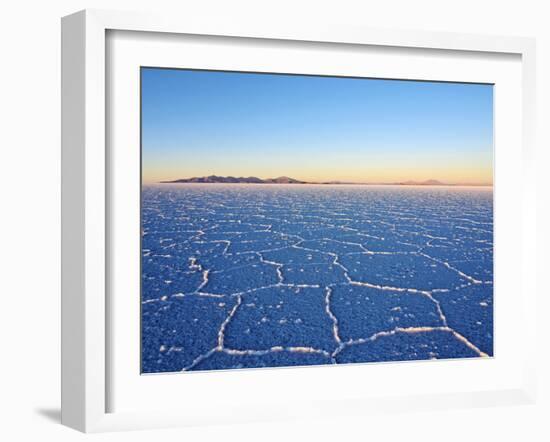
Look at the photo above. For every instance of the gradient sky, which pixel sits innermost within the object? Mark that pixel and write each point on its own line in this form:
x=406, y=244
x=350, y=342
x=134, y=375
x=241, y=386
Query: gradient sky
x=197, y=123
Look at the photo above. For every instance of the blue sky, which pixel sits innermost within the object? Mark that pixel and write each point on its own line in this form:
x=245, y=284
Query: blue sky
x=314, y=128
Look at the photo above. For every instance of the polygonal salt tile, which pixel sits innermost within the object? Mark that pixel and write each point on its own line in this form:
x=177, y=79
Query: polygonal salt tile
x=227, y=262
x=481, y=270
x=393, y=243
x=407, y=347
x=180, y=329
x=364, y=311
x=313, y=274
x=225, y=226
x=403, y=271
x=458, y=252
x=334, y=246
x=281, y=316
x=293, y=255
x=279, y=358
x=164, y=281
x=241, y=279
x=246, y=246
x=469, y=311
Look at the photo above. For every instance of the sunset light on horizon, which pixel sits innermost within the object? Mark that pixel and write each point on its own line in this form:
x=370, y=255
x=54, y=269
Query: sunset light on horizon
x=314, y=128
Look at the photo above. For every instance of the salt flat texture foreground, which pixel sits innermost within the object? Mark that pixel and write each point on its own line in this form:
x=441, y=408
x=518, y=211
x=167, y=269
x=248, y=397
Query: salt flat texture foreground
x=242, y=276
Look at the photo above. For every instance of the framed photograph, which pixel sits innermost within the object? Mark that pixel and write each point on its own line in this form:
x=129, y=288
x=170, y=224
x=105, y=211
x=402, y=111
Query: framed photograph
x=262, y=222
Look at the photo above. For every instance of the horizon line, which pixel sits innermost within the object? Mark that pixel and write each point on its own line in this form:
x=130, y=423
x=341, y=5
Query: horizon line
x=404, y=182
x=342, y=184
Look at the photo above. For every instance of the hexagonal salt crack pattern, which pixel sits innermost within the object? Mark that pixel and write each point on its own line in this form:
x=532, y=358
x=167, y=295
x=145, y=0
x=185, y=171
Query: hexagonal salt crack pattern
x=364, y=311
x=281, y=317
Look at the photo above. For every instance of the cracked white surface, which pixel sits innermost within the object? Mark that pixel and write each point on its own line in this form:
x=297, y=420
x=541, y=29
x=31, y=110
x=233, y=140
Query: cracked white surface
x=314, y=275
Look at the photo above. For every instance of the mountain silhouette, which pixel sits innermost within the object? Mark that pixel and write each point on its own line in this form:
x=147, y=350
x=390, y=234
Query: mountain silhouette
x=231, y=179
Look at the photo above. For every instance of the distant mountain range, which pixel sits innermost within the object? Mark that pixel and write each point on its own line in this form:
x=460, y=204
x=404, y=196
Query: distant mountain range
x=231, y=179
x=287, y=180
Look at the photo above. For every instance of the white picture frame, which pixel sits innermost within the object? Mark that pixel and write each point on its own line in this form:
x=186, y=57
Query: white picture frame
x=86, y=207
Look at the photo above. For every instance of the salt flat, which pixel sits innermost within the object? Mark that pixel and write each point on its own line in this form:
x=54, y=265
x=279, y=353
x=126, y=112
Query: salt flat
x=261, y=275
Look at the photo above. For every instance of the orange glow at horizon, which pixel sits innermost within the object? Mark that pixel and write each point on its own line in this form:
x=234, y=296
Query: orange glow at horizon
x=451, y=175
